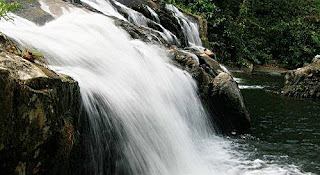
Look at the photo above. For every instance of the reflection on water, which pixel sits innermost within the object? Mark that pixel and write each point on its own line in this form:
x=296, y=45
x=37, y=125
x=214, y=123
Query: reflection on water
x=284, y=129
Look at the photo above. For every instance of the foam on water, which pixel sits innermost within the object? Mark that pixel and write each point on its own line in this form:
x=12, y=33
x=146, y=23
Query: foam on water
x=251, y=87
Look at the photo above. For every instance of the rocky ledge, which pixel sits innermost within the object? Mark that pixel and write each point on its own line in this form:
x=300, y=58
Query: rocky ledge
x=304, y=82
x=38, y=118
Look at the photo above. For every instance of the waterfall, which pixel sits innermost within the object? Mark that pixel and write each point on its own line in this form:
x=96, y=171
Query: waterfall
x=130, y=89
x=190, y=29
x=153, y=14
x=127, y=86
x=133, y=16
x=225, y=69
x=105, y=7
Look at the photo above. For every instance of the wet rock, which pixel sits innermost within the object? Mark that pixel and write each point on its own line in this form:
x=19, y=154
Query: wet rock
x=304, y=82
x=227, y=105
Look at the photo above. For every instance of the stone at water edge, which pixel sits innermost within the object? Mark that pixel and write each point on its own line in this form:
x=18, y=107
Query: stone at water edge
x=304, y=82
x=218, y=92
x=228, y=106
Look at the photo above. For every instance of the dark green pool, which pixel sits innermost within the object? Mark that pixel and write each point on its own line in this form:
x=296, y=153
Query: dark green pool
x=284, y=130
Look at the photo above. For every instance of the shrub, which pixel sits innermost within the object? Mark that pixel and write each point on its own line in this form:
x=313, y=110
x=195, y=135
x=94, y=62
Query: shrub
x=8, y=6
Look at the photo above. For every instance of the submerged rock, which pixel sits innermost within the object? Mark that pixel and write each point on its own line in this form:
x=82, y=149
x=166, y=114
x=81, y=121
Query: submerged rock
x=39, y=116
x=304, y=82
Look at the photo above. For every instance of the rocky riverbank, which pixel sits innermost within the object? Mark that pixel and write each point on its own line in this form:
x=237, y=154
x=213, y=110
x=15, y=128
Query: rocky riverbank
x=304, y=82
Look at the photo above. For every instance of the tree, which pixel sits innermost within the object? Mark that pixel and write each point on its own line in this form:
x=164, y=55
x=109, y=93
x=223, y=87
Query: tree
x=261, y=31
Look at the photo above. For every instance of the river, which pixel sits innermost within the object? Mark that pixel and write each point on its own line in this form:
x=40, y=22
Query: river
x=284, y=130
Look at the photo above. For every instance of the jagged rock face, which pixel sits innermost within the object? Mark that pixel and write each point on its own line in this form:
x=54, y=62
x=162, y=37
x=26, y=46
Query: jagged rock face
x=218, y=91
x=304, y=82
x=38, y=119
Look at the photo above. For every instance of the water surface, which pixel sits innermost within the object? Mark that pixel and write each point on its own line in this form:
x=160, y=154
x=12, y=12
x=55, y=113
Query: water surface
x=284, y=130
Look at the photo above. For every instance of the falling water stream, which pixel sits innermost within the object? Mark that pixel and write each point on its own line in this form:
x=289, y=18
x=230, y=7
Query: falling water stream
x=130, y=88
x=189, y=28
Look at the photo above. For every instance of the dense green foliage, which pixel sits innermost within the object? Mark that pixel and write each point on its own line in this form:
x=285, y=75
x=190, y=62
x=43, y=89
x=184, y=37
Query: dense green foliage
x=6, y=6
x=284, y=32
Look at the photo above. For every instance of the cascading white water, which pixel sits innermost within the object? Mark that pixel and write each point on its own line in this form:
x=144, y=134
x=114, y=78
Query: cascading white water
x=133, y=16
x=106, y=7
x=190, y=29
x=129, y=87
x=225, y=69
x=154, y=103
x=153, y=14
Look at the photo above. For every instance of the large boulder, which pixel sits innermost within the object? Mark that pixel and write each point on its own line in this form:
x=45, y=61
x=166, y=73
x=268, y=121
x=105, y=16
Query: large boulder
x=218, y=91
x=304, y=82
x=39, y=116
